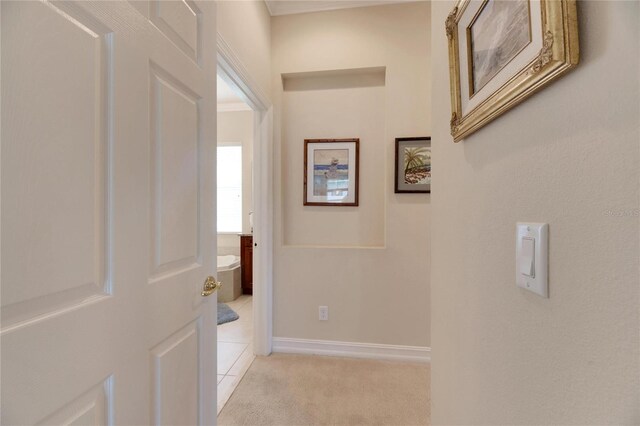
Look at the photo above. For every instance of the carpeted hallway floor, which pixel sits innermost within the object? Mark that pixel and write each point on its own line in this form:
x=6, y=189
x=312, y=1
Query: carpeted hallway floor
x=287, y=390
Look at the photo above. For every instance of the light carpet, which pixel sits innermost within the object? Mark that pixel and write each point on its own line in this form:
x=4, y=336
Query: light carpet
x=287, y=390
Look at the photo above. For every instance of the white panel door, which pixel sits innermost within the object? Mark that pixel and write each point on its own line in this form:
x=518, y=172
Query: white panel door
x=107, y=212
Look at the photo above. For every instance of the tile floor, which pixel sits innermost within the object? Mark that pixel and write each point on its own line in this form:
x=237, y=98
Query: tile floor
x=235, y=348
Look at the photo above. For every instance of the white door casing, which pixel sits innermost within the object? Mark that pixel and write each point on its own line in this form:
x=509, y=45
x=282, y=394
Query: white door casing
x=232, y=70
x=108, y=211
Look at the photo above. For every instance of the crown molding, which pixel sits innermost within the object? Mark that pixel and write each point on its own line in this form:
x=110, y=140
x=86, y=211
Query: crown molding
x=268, y=4
x=279, y=7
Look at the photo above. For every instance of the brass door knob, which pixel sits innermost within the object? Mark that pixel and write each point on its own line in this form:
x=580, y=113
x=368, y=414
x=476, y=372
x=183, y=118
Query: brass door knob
x=210, y=286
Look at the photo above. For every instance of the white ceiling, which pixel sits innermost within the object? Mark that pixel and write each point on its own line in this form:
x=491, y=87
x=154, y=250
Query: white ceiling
x=228, y=100
x=225, y=93
x=289, y=7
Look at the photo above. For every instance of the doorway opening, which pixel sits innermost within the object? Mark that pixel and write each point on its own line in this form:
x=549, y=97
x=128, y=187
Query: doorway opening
x=244, y=220
x=235, y=135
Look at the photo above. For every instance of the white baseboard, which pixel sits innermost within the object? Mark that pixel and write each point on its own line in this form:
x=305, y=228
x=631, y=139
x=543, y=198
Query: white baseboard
x=351, y=349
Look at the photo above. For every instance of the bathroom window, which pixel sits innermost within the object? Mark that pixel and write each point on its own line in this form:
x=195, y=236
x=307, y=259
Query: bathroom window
x=229, y=189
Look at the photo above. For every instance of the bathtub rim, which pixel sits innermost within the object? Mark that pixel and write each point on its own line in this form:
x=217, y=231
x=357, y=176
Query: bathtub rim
x=230, y=267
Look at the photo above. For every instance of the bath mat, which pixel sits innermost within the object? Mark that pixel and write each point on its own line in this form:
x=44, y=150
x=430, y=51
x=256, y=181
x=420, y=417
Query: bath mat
x=226, y=314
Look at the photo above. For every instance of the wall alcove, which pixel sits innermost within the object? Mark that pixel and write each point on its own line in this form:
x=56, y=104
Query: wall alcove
x=347, y=103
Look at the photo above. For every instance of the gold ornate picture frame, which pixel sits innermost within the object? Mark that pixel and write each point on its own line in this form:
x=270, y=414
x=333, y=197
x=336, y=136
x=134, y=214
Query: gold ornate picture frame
x=503, y=51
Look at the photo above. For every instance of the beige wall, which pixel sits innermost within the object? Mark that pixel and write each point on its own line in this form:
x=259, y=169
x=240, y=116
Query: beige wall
x=377, y=290
x=335, y=113
x=566, y=156
x=236, y=128
x=246, y=26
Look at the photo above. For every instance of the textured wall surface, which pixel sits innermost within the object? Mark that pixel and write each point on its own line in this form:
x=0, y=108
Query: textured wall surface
x=568, y=156
x=378, y=290
x=246, y=26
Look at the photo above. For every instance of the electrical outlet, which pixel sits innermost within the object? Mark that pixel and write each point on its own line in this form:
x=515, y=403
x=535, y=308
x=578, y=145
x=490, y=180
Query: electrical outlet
x=323, y=313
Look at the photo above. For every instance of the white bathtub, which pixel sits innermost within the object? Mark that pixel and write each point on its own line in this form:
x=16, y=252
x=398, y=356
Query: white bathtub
x=226, y=263
x=229, y=275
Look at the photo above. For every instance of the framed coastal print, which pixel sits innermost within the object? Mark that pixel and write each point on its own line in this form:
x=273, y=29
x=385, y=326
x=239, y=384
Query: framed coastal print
x=331, y=172
x=413, y=165
x=503, y=51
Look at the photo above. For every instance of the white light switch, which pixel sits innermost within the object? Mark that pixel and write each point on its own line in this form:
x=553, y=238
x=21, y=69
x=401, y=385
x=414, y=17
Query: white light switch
x=527, y=259
x=531, y=257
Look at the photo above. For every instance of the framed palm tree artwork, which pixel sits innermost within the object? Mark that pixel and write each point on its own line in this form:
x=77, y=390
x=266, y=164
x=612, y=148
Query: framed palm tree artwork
x=413, y=165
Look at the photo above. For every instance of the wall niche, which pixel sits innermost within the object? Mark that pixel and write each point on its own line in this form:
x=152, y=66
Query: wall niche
x=334, y=104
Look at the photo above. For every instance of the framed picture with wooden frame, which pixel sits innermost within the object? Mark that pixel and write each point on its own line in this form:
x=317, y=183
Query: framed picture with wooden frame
x=501, y=52
x=413, y=165
x=331, y=172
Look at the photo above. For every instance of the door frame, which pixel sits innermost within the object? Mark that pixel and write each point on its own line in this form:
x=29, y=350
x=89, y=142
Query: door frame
x=231, y=69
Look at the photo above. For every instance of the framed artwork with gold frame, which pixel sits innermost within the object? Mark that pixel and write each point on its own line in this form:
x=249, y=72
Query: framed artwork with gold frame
x=502, y=51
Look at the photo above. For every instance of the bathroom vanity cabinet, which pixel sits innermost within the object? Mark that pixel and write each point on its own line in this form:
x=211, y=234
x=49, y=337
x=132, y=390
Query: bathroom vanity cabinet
x=246, y=263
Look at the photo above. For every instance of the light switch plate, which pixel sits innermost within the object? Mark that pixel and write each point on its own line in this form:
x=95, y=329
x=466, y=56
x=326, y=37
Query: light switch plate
x=538, y=281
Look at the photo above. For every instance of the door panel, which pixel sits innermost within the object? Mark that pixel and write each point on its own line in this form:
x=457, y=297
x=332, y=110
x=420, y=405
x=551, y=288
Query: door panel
x=93, y=407
x=175, y=180
x=108, y=178
x=53, y=204
x=180, y=22
x=175, y=382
